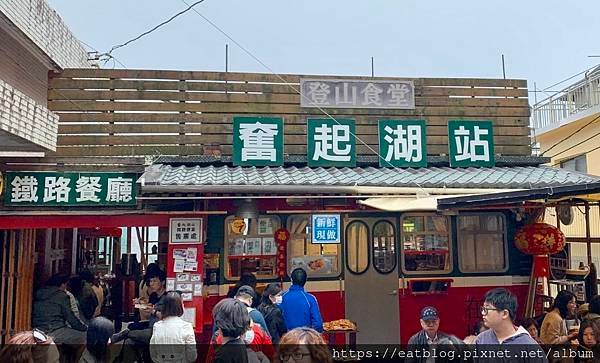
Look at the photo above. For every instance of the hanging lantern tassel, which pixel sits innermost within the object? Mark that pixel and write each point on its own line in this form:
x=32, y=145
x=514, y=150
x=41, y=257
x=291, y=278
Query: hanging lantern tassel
x=541, y=266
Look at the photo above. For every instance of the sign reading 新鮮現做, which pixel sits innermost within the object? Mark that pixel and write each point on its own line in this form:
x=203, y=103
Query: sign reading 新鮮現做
x=402, y=143
x=257, y=141
x=331, y=142
x=471, y=143
x=70, y=189
x=325, y=228
x=341, y=93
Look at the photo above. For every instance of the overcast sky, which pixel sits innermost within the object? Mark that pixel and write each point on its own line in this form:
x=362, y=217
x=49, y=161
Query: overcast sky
x=544, y=41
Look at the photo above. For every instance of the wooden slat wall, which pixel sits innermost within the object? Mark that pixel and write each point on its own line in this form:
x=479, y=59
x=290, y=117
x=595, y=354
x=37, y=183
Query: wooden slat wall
x=17, y=260
x=148, y=112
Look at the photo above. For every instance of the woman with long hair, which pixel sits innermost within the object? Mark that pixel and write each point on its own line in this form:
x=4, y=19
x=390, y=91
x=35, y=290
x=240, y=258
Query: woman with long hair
x=29, y=347
x=554, y=328
x=98, y=338
x=303, y=345
x=271, y=298
x=173, y=338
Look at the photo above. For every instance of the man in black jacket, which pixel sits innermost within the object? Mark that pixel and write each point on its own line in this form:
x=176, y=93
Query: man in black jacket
x=52, y=311
x=429, y=337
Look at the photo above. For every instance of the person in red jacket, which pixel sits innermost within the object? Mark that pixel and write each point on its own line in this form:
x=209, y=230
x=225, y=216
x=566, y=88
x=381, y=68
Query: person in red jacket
x=255, y=338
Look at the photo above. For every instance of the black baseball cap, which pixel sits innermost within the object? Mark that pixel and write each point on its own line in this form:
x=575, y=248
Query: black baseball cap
x=429, y=313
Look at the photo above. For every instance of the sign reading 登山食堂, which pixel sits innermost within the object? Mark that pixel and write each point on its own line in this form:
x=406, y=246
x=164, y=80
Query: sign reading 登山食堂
x=70, y=189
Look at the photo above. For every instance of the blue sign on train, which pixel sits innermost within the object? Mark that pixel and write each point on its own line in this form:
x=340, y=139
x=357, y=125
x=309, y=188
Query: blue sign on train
x=326, y=228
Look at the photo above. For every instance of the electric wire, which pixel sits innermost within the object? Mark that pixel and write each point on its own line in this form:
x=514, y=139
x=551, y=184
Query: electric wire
x=293, y=87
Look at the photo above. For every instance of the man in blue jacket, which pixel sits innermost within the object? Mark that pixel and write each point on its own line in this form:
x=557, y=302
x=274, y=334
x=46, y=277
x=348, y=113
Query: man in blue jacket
x=300, y=309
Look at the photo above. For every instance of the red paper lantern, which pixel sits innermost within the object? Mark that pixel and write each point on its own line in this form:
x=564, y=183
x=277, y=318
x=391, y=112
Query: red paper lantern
x=540, y=239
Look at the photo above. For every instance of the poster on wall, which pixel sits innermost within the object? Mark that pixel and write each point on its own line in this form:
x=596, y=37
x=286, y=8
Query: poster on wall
x=268, y=246
x=253, y=246
x=185, y=230
x=189, y=315
x=313, y=264
x=236, y=247
x=265, y=226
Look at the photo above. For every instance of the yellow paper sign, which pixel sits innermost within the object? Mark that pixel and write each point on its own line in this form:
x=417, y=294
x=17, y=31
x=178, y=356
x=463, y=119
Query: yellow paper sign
x=238, y=226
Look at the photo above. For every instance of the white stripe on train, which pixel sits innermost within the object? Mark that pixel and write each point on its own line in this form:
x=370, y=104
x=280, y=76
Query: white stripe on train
x=457, y=281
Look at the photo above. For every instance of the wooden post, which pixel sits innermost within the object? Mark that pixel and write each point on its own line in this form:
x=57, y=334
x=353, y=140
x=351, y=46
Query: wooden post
x=588, y=236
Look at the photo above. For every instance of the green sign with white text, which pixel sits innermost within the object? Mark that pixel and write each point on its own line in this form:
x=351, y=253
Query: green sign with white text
x=471, y=143
x=331, y=143
x=70, y=189
x=257, y=141
x=402, y=143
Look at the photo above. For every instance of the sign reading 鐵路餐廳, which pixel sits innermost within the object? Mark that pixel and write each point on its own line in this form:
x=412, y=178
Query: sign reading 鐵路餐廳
x=331, y=142
x=257, y=141
x=402, y=143
x=70, y=189
x=471, y=143
x=340, y=93
x=325, y=228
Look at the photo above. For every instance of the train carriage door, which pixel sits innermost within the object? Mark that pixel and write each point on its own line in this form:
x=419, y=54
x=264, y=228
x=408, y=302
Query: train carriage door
x=371, y=279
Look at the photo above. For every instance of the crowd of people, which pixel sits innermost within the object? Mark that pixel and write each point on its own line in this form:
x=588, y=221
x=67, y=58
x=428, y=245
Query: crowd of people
x=564, y=329
x=275, y=326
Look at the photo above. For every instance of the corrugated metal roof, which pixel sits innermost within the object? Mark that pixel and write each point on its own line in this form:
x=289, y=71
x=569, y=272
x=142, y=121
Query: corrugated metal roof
x=524, y=177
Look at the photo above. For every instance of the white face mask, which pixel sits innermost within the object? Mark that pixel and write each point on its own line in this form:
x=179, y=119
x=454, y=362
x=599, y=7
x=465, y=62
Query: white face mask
x=249, y=336
x=278, y=299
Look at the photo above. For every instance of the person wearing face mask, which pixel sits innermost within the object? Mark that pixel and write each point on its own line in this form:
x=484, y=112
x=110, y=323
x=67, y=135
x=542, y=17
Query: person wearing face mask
x=269, y=307
x=234, y=327
x=246, y=295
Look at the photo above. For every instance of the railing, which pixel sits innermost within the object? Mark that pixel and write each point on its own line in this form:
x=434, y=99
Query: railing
x=576, y=98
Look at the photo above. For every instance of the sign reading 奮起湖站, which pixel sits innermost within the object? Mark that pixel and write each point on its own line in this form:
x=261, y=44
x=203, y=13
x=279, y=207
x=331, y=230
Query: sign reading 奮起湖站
x=471, y=143
x=325, y=228
x=70, y=189
x=257, y=141
x=341, y=93
x=331, y=142
x=402, y=143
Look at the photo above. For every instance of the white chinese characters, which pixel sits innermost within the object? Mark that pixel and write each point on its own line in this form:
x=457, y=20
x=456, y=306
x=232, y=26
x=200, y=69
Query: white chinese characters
x=57, y=189
x=119, y=190
x=403, y=143
x=24, y=189
x=332, y=143
x=258, y=141
x=357, y=93
x=88, y=188
x=65, y=189
x=470, y=146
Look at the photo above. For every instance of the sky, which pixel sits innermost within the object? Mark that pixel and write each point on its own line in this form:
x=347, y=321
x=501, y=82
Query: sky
x=543, y=41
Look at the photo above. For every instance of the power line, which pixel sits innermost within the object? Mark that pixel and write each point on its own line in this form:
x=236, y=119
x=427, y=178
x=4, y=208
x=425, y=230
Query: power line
x=570, y=135
x=587, y=152
x=154, y=28
x=568, y=79
x=579, y=143
x=296, y=90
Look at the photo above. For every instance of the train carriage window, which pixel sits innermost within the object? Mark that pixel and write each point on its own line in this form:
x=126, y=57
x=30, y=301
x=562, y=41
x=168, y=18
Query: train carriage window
x=250, y=246
x=426, y=243
x=319, y=260
x=357, y=249
x=384, y=247
x=482, y=243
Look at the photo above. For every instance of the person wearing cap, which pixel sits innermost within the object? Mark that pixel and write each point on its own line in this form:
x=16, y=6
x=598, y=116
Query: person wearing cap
x=300, y=309
x=430, y=335
x=247, y=295
x=430, y=322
